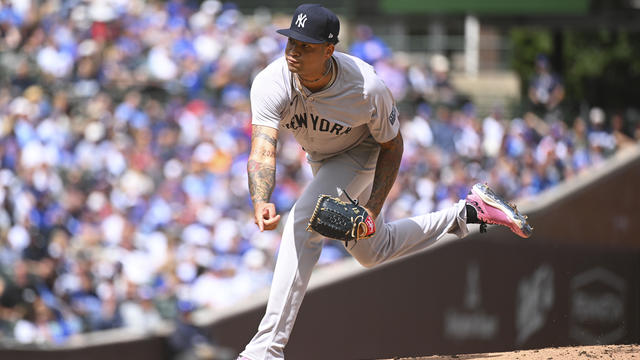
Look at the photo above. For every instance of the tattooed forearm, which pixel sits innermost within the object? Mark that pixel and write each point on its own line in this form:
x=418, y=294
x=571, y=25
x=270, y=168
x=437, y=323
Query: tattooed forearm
x=386, y=173
x=262, y=180
x=261, y=166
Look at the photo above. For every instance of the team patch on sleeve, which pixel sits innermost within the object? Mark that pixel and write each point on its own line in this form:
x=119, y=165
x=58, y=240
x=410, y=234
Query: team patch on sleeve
x=393, y=115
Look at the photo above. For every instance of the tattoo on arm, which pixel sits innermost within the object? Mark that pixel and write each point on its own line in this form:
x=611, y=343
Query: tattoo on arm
x=386, y=172
x=261, y=167
x=262, y=181
x=267, y=153
x=259, y=134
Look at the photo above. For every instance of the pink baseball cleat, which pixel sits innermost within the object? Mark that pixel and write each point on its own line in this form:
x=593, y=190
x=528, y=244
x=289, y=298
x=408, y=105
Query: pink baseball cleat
x=493, y=209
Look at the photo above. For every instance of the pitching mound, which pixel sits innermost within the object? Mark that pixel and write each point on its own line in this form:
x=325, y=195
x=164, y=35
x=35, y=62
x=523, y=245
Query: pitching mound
x=614, y=352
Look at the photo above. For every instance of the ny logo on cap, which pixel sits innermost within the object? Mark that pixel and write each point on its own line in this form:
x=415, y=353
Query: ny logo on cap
x=302, y=18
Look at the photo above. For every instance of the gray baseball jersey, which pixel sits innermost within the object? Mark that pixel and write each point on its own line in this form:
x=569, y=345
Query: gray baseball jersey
x=329, y=122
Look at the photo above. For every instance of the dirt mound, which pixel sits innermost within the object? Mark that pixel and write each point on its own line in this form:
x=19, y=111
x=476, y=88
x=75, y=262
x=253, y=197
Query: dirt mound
x=613, y=352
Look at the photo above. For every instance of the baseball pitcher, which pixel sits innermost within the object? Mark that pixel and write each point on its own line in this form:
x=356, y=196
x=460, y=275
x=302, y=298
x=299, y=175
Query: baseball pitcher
x=345, y=119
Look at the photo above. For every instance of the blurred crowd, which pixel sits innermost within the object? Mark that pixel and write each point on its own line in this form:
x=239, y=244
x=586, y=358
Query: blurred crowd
x=124, y=131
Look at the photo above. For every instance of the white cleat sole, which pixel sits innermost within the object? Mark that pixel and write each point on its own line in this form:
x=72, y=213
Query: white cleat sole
x=492, y=199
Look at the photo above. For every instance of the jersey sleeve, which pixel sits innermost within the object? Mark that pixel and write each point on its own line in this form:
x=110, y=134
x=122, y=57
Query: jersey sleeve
x=384, y=124
x=266, y=100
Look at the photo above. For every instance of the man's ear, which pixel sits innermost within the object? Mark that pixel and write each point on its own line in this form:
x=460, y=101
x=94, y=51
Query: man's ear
x=329, y=50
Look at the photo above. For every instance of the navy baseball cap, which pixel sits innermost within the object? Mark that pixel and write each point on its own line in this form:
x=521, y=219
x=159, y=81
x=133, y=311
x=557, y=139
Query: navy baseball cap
x=314, y=24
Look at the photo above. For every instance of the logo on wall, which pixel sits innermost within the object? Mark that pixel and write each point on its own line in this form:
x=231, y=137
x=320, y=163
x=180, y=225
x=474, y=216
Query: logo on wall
x=597, y=307
x=472, y=322
x=535, y=299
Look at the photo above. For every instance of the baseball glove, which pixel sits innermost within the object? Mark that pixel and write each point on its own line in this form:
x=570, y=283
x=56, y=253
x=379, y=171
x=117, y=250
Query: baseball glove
x=340, y=220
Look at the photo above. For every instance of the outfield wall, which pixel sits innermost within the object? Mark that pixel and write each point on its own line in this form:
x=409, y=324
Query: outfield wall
x=99, y=346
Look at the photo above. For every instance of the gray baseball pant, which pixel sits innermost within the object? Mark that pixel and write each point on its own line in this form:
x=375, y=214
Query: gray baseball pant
x=300, y=249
